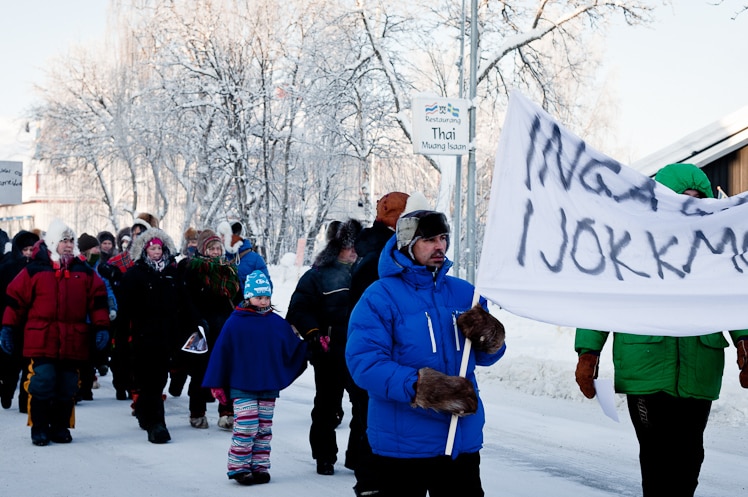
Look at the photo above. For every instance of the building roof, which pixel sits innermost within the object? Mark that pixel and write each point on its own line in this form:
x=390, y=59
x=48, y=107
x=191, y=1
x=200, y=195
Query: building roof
x=703, y=146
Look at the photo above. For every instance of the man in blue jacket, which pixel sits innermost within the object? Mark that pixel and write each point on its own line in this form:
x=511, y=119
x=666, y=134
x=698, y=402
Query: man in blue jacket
x=405, y=342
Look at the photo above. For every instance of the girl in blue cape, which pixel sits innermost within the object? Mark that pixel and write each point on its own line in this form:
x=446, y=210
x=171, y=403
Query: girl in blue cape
x=257, y=354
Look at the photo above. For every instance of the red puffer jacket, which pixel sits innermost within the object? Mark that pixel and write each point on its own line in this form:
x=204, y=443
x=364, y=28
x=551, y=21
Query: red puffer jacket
x=60, y=310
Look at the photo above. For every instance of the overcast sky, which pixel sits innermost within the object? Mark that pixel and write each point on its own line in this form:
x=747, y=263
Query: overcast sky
x=671, y=79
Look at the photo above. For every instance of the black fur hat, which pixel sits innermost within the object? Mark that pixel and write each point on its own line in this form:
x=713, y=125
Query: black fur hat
x=343, y=237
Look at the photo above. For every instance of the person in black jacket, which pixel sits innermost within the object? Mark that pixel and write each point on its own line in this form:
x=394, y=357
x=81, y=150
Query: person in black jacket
x=318, y=310
x=11, y=366
x=369, y=245
x=153, y=304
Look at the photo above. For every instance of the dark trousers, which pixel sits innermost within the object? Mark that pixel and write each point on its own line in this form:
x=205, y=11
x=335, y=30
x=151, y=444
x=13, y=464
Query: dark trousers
x=52, y=388
x=439, y=476
x=150, y=373
x=329, y=383
x=358, y=455
x=671, y=442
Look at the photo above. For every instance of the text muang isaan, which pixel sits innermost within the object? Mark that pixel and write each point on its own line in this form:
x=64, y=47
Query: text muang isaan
x=576, y=218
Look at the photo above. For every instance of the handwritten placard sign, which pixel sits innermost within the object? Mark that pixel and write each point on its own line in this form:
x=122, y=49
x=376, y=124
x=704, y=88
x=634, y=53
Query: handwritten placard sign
x=11, y=175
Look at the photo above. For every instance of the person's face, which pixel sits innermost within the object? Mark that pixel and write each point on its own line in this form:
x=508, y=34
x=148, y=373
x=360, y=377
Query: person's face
x=430, y=251
x=94, y=250
x=693, y=193
x=262, y=301
x=215, y=249
x=135, y=232
x=154, y=252
x=65, y=247
x=347, y=255
x=27, y=251
x=106, y=246
x=191, y=243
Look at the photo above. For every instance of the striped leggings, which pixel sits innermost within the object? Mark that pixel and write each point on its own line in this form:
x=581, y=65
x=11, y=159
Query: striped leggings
x=250, y=442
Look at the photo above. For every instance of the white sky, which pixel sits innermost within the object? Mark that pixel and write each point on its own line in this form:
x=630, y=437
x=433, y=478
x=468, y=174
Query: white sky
x=672, y=79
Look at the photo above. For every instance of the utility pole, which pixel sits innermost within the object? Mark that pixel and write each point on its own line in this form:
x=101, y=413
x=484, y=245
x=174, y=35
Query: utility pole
x=470, y=225
x=457, y=237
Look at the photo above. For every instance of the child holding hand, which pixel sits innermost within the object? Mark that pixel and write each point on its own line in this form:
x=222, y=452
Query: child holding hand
x=257, y=354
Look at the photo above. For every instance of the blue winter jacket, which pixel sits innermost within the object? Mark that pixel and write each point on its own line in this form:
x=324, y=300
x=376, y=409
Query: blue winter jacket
x=405, y=321
x=247, y=260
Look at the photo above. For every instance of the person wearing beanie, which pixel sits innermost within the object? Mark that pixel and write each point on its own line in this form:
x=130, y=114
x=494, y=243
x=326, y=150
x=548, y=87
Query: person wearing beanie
x=123, y=239
x=57, y=284
x=368, y=245
x=406, y=338
x=319, y=311
x=256, y=356
x=213, y=290
x=13, y=365
x=670, y=382
x=89, y=248
x=239, y=251
x=89, y=252
x=107, y=245
x=154, y=310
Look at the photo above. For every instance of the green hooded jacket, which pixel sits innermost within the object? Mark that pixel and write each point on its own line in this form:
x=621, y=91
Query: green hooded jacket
x=679, y=366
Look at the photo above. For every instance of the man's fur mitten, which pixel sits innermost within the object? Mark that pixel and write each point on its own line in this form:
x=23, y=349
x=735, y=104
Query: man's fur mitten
x=452, y=394
x=485, y=331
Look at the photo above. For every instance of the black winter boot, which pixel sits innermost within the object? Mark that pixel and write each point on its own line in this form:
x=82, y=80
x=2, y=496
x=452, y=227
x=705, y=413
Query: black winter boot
x=158, y=434
x=62, y=411
x=40, y=414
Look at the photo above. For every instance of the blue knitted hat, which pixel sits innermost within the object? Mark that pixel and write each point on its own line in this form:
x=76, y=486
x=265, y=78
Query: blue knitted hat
x=257, y=285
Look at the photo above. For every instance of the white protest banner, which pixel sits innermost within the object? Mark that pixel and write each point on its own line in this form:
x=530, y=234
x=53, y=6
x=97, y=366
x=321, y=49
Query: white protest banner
x=575, y=238
x=11, y=176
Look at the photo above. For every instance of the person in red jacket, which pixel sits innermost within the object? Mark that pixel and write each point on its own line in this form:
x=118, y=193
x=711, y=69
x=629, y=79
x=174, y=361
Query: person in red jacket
x=60, y=303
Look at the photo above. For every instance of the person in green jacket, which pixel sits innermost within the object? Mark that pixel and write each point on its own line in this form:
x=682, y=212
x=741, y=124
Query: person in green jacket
x=669, y=382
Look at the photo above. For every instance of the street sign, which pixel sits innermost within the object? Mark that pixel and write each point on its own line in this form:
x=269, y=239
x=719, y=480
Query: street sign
x=440, y=126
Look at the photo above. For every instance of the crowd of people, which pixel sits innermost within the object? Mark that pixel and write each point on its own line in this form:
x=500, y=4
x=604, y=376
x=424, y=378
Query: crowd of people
x=376, y=315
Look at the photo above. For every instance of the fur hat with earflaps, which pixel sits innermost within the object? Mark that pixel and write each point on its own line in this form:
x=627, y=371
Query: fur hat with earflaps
x=419, y=224
x=57, y=231
x=343, y=237
x=231, y=241
x=145, y=220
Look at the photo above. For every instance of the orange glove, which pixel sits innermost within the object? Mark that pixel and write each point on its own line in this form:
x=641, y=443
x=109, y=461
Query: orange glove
x=742, y=346
x=586, y=372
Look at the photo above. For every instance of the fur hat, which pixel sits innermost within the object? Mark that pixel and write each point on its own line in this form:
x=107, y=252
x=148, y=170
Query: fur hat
x=231, y=241
x=419, y=224
x=344, y=237
x=24, y=239
x=87, y=242
x=57, y=231
x=332, y=230
x=146, y=238
x=190, y=234
x=106, y=235
x=123, y=239
x=390, y=206
x=257, y=285
x=205, y=238
x=145, y=220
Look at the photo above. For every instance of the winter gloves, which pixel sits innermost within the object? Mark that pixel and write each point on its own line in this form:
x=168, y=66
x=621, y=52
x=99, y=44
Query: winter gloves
x=484, y=331
x=452, y=394
x=6, y=340
x=102, y=339
x=586, y=372
x=220, y=395
x=742, y=346
x=317, y=341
